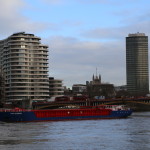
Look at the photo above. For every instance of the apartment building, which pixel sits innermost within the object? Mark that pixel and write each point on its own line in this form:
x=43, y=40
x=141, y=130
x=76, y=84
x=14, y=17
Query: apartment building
x=24, y=63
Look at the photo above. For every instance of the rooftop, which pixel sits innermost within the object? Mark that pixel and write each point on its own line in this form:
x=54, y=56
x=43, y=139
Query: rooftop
x=136, y=34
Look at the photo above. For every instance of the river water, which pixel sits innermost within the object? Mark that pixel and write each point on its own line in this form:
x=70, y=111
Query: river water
x=132, y=133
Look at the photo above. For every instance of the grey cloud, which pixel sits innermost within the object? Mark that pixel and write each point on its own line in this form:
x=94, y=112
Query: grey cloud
x=102, y=33
x=12, y=19
x=75, y=61
x=117, y=33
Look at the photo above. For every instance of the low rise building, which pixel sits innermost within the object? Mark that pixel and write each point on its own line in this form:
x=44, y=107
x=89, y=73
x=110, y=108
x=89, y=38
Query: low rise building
x=96, y=89
x=55, y=87
x=121, y=91
x=120, y=88
x=78, y=89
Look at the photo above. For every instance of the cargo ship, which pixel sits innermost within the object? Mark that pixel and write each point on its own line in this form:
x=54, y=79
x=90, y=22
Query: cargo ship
x=67, y=113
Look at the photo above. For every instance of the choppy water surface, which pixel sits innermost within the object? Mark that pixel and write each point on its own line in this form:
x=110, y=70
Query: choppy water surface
x=132, y=133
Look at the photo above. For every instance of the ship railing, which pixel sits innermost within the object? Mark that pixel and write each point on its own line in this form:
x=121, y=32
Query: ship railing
x=115, y=107
x=14, y=110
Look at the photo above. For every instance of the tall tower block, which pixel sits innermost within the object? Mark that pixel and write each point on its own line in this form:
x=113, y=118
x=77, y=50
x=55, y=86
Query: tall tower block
x=137, y=64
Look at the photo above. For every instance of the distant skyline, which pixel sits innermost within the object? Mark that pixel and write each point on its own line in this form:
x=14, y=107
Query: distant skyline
x=82, y=35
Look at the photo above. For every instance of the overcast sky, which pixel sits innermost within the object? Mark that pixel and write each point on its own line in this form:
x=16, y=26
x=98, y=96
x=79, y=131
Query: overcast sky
x=82, y=35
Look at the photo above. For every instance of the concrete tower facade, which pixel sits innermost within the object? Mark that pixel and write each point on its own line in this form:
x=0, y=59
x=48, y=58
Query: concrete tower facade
x=137, y=64
x=24, y=63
